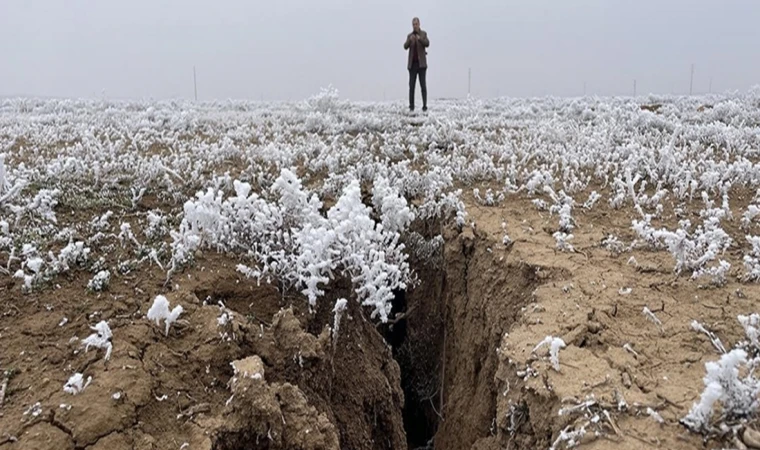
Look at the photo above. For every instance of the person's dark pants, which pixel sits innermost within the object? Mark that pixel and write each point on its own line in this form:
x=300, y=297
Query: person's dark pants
x=414, y=72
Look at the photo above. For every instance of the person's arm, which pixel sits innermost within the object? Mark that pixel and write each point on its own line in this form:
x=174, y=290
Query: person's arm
x=408, y=42
x=424, y=39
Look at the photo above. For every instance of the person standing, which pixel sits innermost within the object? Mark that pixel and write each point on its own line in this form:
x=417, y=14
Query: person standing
x=417, y=43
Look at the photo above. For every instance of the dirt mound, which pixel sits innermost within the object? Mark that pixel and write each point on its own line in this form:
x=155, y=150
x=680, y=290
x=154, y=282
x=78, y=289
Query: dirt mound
x=180, y=391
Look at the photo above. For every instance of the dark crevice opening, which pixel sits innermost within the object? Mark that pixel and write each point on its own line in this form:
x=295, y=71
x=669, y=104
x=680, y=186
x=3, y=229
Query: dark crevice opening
x=415, y=334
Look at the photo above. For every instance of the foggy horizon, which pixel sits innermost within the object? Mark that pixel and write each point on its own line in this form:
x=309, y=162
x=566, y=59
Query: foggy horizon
x=289, y=50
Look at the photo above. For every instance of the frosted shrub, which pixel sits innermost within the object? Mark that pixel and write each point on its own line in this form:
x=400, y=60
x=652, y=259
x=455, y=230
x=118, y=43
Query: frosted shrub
x=563, y=241
x=126, y=235
x=74, y=253
x=446, y=205
x=752, y=261
x=76, y=384
x=393, y=208
x=156, y=225
x=489, y=199
x=160, y=310
x=613, y=245
x=717, y=274
x=100, y=339
x=563, y=205
x=41, y=206
x=751, y=325
x=100, y=281
x=752, y=212
x=326, y=101
x=592, y=199
x=7, y=191
x=692, y=251
x=724, y=384
x=100, y=223
x=291, y=241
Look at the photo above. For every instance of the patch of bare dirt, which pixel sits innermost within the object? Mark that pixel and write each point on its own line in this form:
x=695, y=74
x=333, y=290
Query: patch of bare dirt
x=316, y=391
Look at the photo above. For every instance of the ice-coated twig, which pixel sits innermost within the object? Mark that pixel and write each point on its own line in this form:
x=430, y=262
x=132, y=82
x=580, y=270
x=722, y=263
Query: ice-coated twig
x=696, y=326
x=554, y=344
x=652, y=318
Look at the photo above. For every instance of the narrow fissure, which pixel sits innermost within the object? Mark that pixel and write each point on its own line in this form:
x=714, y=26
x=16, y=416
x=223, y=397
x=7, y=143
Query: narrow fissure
x=416, y=336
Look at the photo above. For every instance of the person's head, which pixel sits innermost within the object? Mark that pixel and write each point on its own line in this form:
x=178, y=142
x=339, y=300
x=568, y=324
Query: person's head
x=416, y=24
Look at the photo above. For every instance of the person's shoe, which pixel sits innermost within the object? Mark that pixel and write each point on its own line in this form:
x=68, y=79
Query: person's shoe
x=424, y=109
x=411, y=109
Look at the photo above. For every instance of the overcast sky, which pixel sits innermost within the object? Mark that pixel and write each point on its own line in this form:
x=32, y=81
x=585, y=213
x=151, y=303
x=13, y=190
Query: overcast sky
x=288, y=49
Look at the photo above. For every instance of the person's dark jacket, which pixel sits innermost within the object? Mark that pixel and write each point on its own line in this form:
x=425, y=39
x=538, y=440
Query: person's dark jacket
x=422, y=44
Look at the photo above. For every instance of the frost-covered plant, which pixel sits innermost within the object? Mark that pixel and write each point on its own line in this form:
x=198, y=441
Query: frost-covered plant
x=7, y=191
x=717, y=274
x=101, y=339
x=751, y=325
x=506, y=240
x=40, y=206
x=428, y=250
x=571, y=438
x=731, y=382
x=289, y=239
x=749, y=215
x=326, y=101
x=340, y=307
x=226, y=315
x=563, y=205
x=160, y=310
x=443, y=207
x=100, y=223
x=651, y=317
x=156, y=228
x=752, y=261
x=592, y=199
x=126, y=235
x=554, y=344
x=396, y=216
x=100, y=281
x=692, y=251
x=613, y=245
x=76, y=384
x=489, y=199
x=540, y=204
x=563, y=241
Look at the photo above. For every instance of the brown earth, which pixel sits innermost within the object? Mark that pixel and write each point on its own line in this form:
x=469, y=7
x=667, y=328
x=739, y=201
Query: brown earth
x=468, y=328
x=175, y=389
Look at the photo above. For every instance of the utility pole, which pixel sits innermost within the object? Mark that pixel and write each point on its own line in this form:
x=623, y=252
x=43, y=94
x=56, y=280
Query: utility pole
x=469, y=81
x=634, y=88
x=195, y=84
x=691, y=83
